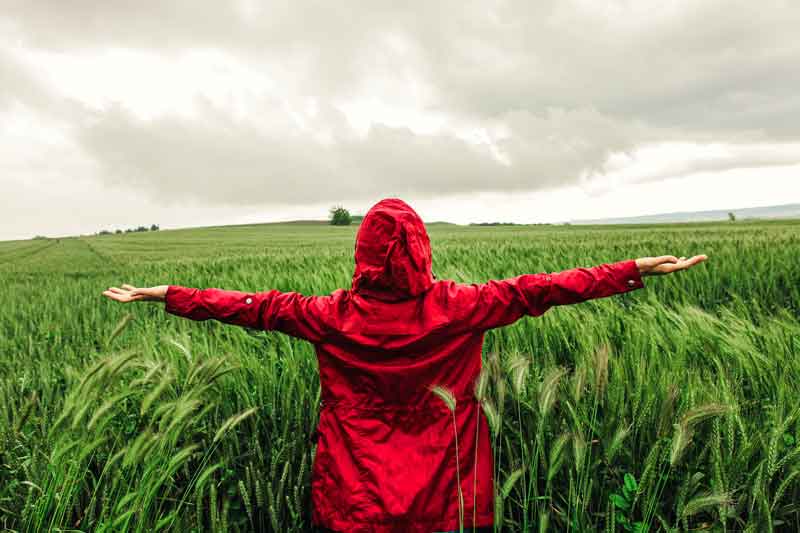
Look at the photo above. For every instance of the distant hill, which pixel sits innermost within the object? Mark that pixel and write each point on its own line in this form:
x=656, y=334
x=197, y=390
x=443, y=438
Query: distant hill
x=770, y=211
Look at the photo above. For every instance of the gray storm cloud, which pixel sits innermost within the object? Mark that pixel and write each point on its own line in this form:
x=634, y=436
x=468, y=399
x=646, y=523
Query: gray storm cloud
x=568, y=84
x=215, y=157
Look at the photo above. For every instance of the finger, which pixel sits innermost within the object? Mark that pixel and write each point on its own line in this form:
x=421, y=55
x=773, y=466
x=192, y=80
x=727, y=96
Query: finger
x=666, y=259
x=687, y=263
x=696, y=259
x=129, y=287
x=114, y=296
x=117, y=290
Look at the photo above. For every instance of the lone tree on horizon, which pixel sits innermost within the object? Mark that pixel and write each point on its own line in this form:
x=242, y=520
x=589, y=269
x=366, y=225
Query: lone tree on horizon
x=340, y=216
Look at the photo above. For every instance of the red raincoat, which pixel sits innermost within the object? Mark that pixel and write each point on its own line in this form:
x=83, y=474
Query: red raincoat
x=385, y=460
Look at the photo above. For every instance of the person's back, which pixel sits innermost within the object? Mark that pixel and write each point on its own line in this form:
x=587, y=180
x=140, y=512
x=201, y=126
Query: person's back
x=386, y=455
x=386, y=458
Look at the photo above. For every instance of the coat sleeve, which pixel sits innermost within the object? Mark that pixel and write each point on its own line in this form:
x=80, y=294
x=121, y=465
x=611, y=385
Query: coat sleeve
x=288, y=312
x=501, y=302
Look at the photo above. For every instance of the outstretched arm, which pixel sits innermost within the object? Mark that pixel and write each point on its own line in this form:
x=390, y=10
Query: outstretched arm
x=502, y=302
x=289, y=312
x=581, y=284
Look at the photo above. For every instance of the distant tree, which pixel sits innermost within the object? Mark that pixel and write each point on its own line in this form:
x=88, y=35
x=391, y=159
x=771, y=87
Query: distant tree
x=118, y=231
x=340, y=216
x=154, y=227
x=731, y=216
x=104, y=232
x=38, y=237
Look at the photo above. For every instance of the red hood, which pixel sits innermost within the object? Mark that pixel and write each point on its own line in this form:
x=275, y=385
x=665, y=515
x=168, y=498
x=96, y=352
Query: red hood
x=392, y=253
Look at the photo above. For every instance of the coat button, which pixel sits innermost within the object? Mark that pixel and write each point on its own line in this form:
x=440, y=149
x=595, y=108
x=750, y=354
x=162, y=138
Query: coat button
x=548, y=278
x=249, y=301
x=631, y=282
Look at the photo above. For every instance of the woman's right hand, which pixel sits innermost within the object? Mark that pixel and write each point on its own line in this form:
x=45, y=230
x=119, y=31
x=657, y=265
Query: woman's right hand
x=129, y=293
x=666, y=264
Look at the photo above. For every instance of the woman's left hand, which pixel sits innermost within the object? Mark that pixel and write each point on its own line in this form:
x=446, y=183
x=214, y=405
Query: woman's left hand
x=129, y=293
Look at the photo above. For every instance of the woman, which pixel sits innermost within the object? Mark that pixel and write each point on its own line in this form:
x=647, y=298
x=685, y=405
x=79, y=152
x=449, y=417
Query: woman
x=385, y=459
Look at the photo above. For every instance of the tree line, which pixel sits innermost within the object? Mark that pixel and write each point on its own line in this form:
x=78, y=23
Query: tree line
x=118, y=231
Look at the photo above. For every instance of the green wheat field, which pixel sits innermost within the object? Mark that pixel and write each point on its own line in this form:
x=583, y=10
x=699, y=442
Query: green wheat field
x=671, y=408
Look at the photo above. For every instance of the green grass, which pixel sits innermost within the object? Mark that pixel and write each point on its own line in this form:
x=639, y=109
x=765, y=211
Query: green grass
x=670, y=408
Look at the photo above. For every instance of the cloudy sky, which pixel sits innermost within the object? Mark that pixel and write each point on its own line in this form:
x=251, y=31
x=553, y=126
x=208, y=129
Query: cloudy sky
x=190, y=113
